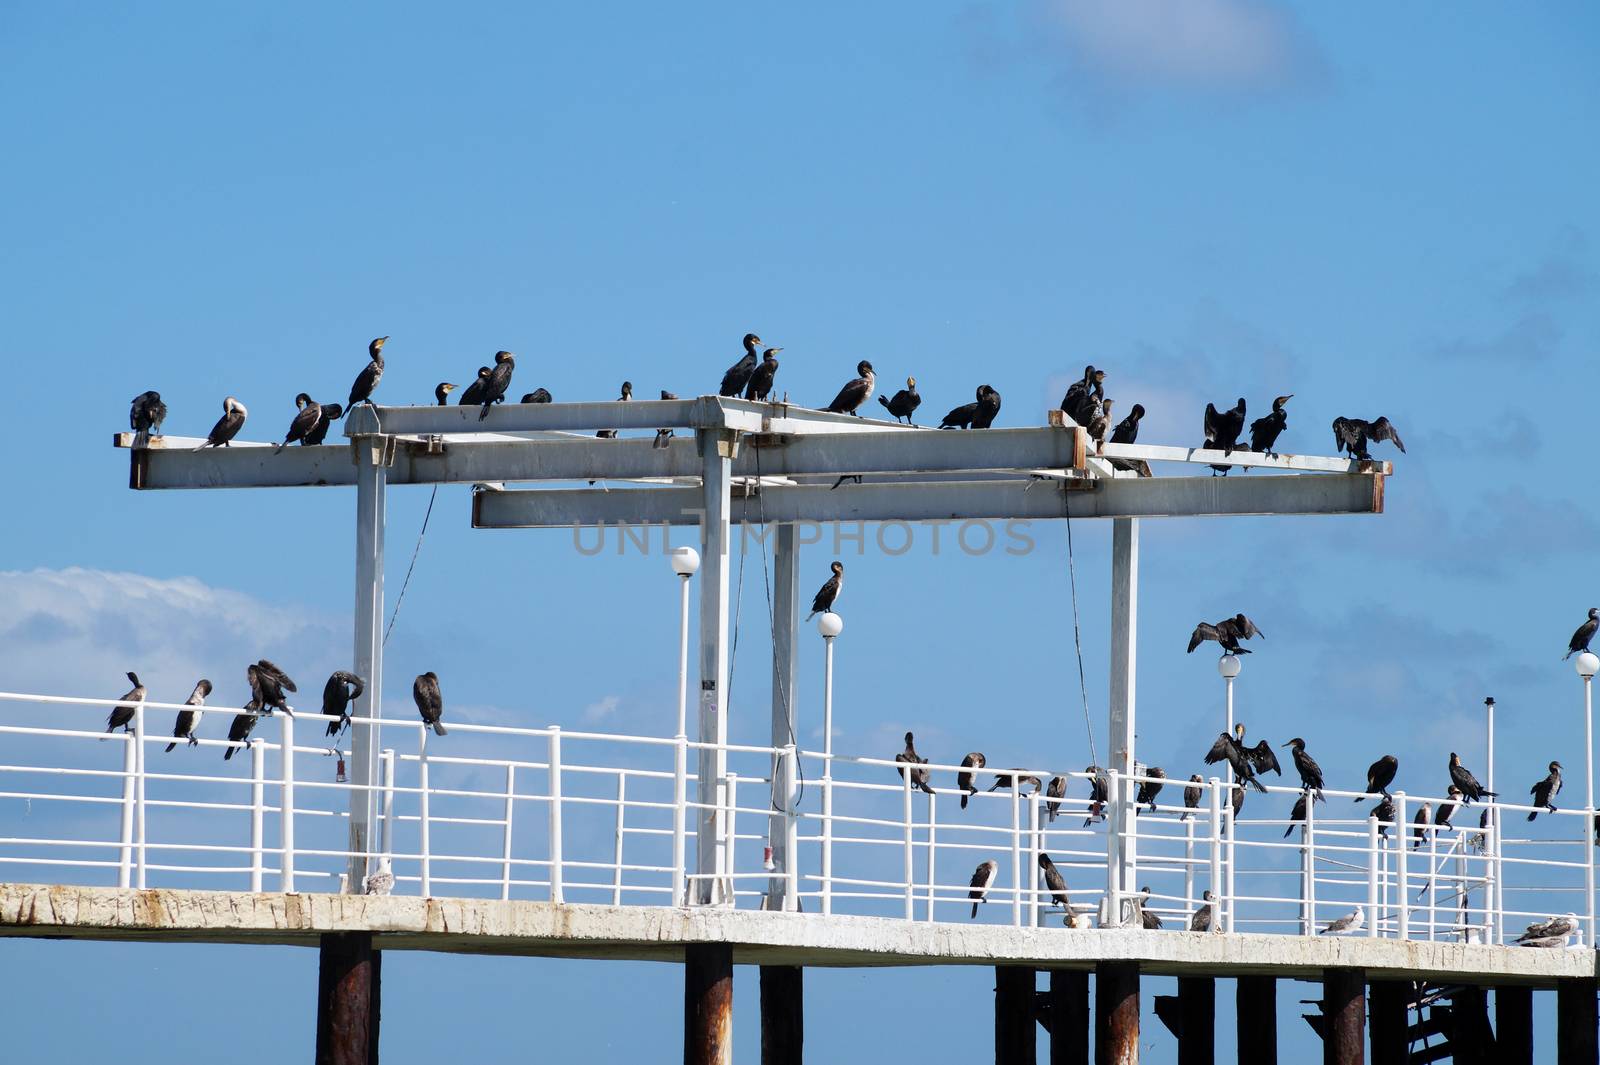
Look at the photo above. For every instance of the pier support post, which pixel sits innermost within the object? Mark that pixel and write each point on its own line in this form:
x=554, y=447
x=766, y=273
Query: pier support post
x=1256, y=1000
x=1069, y=1017
x=1116, y=1013
x=1473, y=1040
x=1575, y=1022
x=708, y=1004
x=1197, y=1006
x=782, y=1014
x=347, y=1000
x=1344, y=1007
x=1513, y=1014
x=1015, y=1037
x=1388, y=1021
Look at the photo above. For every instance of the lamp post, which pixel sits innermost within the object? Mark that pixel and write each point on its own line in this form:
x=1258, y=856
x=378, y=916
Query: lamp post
x=1494, y=894
x=685, y=561
x=830, y=625
x=1588, y=665
x=1229, y=666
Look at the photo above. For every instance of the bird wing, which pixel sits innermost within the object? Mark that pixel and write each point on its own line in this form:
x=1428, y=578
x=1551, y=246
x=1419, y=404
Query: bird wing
x=1383, y=429
x=1346, y=434
x=1202, y=632
x=277, y=675
x=849, y=397
x=1222, y=749
x=825, y=595
x=980, y=881
x=1264, y=759
x=1212, y=419
x=1250, y=630
x=303, y=422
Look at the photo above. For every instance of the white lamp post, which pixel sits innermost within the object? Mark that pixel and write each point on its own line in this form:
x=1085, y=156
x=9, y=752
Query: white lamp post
x=1229, y=666
x=1588, y=665
x=830, y=625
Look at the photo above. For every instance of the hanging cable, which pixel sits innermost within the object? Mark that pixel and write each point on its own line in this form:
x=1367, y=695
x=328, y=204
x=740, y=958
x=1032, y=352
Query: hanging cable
x=1077, y=639
x=415, y=552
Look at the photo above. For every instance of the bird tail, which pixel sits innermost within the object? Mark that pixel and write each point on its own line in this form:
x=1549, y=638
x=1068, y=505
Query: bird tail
x=1052, y=812
x=975, y=909
x=885, y=401
x=227, y=754
x=963, y=800
x=811, y=615
x=170, y=746
x=1533, y=815
x=484, y=412
x=1287, y=831
x=439, y=729
x=1262, y=788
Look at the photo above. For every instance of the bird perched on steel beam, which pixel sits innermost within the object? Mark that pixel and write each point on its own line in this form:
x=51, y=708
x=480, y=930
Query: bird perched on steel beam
x=982, y=877
x=1264, y=432
x=1055, y=791
x=1222, y=430
x=904, y=403
x=1546, y=790
x=366, y=381
x=1227, y=632
x=441, y=393
x=330, y=413
x=964, y=780
x=228, y=426
x=1310, y=772
x=1463, y=779
x=663, y=436
x=267, y=685
x=341, y=690
x=1352, y=434
x=1580, y=639
x=1419, y=825
x=308, y=412
x=1149, y=789
x=538, y=395
x=627, y=394
x=738, y=376
x=760, y=386
x=979, y=414
x=121, y=716
x=1127, y=432
x=829, y=592
x=189, y=720
x=855, y=392
x=1084, y=394
x=146, y=413
x=1380, y=775
x=1201, y=920
x=472, y=395
x=909, y=756
x=494, y=389
x=1099, y=423
x=430, y=703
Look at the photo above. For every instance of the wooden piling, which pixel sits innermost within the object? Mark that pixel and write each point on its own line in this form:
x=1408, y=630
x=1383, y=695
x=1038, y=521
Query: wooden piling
x=708, y=1004
x=347, y=1000
x=782, y=1014
x=1344, y=1009
x=1575, y=1022
x=1388, y=1021
x=1256, y=999
x=1197, y=1005
x=1116, y=1013
x=1513, y=1014
x=1069, y=1017
x=1473, y=1040
x=1015, y=1037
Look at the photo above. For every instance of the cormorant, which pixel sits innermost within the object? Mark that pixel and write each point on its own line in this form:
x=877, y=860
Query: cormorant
x=1556, y=927
x=1351, y=435
x=855, y=392
x=828, y=592
x=1348, y=925
x=228, y=426
x=367, y=380
x=1149, y=789
x=627, y=394
x=1054, y=882
x=909, y=756
x=494, y=390
x=341, y=690
x=121, y=716
x=1262, y=759
x=1463, y=778
x=441, y=393
x=538, y=395
x=1147, y=917
x=1004, y=780
x=1201, y=920
x=760, y=386
x=1580, y=639
x=982, y=877
x=1231, y=749
x=737, y=379
x=964, y=781
x=1127, y=432
x=1384, y=812
x=970, y=415
x=472, y=395
x=189, y=720
x=1238, y=798
x=1222, y=431
x=663, y=435
x=1310, y=771
x=1055, y=791
x=1227, y=632
x=1082, y=395
x=1447, y=809
x=267, y=685
x=241, y=727
x=331, y=412
x=147, y=413
x=430, y=704
x=1192, y=794
x=1264, y=432
x=1298, y=814
x=1419, y=825
x=309, y=413
x=1546, y=790
x=1099, y=793
x=1380, y=775
x=1099, y=422
x=904, y=403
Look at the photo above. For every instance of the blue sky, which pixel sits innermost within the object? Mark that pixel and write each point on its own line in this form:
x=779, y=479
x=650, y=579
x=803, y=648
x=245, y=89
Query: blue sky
x=1384, y=210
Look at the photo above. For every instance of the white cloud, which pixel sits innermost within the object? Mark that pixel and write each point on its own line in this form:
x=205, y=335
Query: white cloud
x=599, y=711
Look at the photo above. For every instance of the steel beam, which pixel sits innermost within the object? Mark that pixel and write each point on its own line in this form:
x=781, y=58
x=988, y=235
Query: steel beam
x=708, y=1004
x=347, y=1000
x=785, y=701
x=1513, y=1014
x=1016, y=1038
x=1575, y=1022
x=782, y=1014
x=372, y=454
x=1116, y=1013
x=1344, y=1016
x=1256, y=1000
x=716, y=458
x=1068, y=1000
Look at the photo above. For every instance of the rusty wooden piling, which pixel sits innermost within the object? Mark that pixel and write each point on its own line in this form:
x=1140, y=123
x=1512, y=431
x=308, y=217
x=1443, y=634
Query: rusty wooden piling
x=347, y=1000
x=1575, y=1022
x=1197, y=1005
x=1344, y=1008
x=1513, y=1015
x=782, y=1014
x=1388, y=1019
x=1015, y=1038
x=1116, y=1013
x=708, y=1004
x=1069, y=1017
x=1256, y=1002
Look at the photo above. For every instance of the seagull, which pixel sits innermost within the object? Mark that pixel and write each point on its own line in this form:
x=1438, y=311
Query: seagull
x=973, y=760
x=1546, y=790
x=909, y=756
x=1580, y=639
x=1463, y=778
x=1201, y=919
x=1348, y=925
x=982, y=877
x=1557, y=928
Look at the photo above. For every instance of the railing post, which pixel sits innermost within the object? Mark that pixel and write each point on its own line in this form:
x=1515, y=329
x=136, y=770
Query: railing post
x=1231, y=829
x=730, y=838
x=130, y=769
x=1033, y=859
x=1374, y=915
x=505, y=842
x=286, y=804
x=1113, y=915
x=933, y=833
x=680, y=800
x=386, y=830
x=616, y=855
x=1188, y=862
x=556, y=894
x=1214, y=789
x=1016, y=849
x=1308, y=875
x=258, y=797
x=791, y=829
x=138, y=794
x=1402, y=891
x=1586, y=840
x=424, y=812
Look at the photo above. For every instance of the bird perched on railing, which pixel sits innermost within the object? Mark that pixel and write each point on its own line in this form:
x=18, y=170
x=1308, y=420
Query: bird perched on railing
x=430, y=703
x=121, y=716
x=1149, y=789
x=146, y=413
x=1055, y=791
x=829, y=592
x=627, y=394
x=441, y=393
x=909, y=756
x=904, y=403
x=1222, y=430
x=1055, y=883
x=1348, y=925
x=1192, y=794
x=1546, y=790
x=189, y=720
x=1351, y=435
x=366, y=381
x=1021, y=781
x=1148, y=918
x=233, y=415
x=1238, y=800
x=1310, y=772
x=240, y=728
x=1227, y=632
x=738, y=376
x=855, y=392
x=981, y=879
x=341, y=690
x=1231, y=749
x=1463, y=779
x=1099, y=794
x=1384, y=813
x=1264, y=432
x=964, y=780
x=472, y=395
x=330, y=413
x=267, y=685
x=1298, y=814
x=308, y=412
x=1380, y=775
x=1201, y=920
x=1580, y=639
x=494, y=389
x=1447, y=810
x=760, y=386
x=1419, y=825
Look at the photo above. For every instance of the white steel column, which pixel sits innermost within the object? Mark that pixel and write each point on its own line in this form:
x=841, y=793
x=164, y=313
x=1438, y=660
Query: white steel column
x=1124, y=662
x=716, y=466
x=372, y=455
x=785, y=725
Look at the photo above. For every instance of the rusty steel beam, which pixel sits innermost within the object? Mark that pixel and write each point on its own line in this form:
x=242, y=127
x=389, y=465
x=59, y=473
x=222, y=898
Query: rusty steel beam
x=1575, y=1022
x=1388, y=1021
x=347, y=1000
x=1344, y=1013
x=1513, y=1015
x=1116, y=1013
x=1015, y=1037
x=1256, y=1002
x=1197, y=1008
x=708, y=1004
x=782, y=1014
x=1068, y=1005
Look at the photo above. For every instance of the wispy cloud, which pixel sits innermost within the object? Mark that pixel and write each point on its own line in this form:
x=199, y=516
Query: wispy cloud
x=602, y=709
x=1536, y=294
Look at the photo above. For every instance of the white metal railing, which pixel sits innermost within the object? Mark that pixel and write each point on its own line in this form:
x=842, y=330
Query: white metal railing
x=455, y=821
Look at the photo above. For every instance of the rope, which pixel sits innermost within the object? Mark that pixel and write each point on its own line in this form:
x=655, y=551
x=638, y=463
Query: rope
x=1077, y=639
x=415, y=552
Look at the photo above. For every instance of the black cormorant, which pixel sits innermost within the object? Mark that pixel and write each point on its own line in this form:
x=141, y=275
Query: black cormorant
x=1147, y=917
x=1419, y=825
x=828, y=592
x=430, y=704
x=1262, y=759
x=228, y=426
x=1238, y=798
x=627, y=394
x=472, y=395
x=341, y=690
x=1082, y=396
x=1546, y=790
x=1055, y=791
x=904, y=403
x=1227, y=632
x=1222, y=431
x=1192, y=794
x=331, y=412
x=1447, y=809
x=1099, y=794
x=979, y=414
x=121, y=716
x=538, y=395
x=1054, y=882
x=1298, y=814
x=1231, y=749
x=1580, y=639
x=189, y=720
x=1149, y=789
x=1127, y=432
x=441, y=392
x=1200, y=920
x=494, y=390
x=147, y=413
x=855, y=392
x=738, y=376
x=760, y=386
x=663, y=435
x=1380, y=775
x=367, y=380
x=240, y=728
x=1384, y=813
x=1463, y=779
x=1264, y=432
x=965, y=781
x=1352, y=434
x=982, y=877
x=1310, y=772
x=909, y=756
x=267, y=685
x=309, y=413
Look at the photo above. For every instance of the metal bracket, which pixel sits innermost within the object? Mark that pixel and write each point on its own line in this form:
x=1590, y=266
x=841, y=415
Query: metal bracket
x=373, y=449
